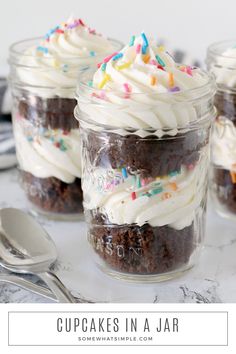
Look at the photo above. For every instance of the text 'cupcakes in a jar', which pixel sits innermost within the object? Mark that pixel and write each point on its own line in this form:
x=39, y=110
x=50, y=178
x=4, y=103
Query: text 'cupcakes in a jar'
x=145, y=123
x=43, y=77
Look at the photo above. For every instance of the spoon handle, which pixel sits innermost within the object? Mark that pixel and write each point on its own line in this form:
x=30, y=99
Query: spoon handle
x=57, y=287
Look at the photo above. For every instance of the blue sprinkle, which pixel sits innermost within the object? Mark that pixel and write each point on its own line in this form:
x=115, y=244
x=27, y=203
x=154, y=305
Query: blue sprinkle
x=42, y=49
x=144, y=39
x=92, y=53
x=124, y=172
x=29, y=138
x=117, y=56
x=144, y=49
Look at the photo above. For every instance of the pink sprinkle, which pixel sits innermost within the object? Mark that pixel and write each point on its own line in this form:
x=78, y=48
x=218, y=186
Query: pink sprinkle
x=133, y=195
x=128, y=90
x=92, y=31
x=81, y=22
x=103, y=95
x=138, y=48
x=189, y=70
x=106, y=60
x=99, y=65
x=153, y=62
x=143, y=182
x=190, y=167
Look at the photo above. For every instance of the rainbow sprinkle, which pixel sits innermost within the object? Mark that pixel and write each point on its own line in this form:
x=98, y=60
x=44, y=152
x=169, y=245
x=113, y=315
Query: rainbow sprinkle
x=153, y=80
x=108, y=58
x=42, y=49
x=104, y=81
x=160, y=61
x=171, y=80
x=124, y=66
x=146, y=58
x=124, y=172
x=138, y=48
x=132, y=40
x=133, y=196
x=103, y=66
x=117, y=56
x=128, y=90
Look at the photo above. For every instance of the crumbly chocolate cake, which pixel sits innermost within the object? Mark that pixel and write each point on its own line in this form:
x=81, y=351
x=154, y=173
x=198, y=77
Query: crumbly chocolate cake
x=225, y=189
x=142, y=250
x=51, y=113
x=150, y=156
x=51, y=194
x=225, y=104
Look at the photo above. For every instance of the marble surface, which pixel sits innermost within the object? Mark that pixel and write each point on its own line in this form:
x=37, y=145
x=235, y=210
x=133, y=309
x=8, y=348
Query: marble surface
x=213, y=280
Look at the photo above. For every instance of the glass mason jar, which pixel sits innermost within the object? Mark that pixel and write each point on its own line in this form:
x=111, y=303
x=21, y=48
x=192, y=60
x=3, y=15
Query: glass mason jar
x=223, y=147
x=46, y=133
x=145, y=189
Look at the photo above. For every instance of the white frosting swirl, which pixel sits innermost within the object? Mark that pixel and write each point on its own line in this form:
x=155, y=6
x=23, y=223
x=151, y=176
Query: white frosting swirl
x=56, y=61
x=42, y=157
x=174, y=203
x=224, y=144
x=224, y=68
x=132, y=84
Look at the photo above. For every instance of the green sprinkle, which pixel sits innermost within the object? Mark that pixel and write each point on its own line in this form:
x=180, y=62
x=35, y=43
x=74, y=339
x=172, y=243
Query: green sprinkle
x=103, y=66
x=160, y=61
x=174, y=173
x=65, y=68
x=131, y=43
x=156, y=191
x=92, y=53
x=138, y=182
x=90, y=83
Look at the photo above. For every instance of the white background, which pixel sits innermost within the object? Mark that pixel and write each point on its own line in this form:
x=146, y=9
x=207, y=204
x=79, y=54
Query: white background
x=188, y=24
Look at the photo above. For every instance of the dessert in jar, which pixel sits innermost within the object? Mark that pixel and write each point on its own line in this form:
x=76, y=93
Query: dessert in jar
x=43, y=77
x=145, y=123
x=221, y=61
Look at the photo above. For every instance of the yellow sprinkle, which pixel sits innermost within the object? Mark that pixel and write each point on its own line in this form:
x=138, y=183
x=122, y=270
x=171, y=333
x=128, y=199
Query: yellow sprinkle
x=124, y=66
x=146, y=58
x=161, y=48
x=56, y=63
x=153, y=80
x=104, y=81
x=171, y=80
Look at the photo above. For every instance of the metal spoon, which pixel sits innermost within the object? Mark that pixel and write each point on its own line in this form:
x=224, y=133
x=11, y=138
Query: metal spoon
x=25, y=247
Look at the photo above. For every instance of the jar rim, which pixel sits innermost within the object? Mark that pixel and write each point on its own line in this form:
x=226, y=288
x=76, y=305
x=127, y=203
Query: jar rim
x=214, y=48
x=15, y=51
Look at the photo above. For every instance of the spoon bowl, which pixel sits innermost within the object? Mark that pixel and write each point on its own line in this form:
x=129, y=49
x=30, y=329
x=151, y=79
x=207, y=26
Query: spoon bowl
x=25, y=247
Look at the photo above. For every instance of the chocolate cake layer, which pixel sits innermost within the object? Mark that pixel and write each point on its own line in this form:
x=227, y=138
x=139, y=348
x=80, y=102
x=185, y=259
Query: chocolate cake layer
x=150, y=156
x=225, y=103
x=225, y=189
x=52, y=195
x=142, y=250
x=51, y=113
